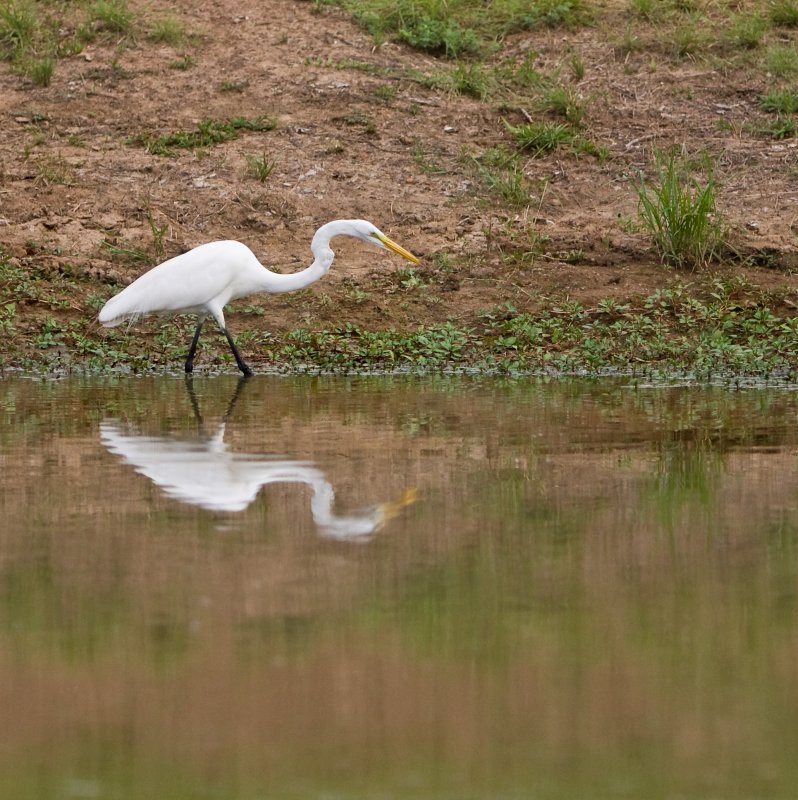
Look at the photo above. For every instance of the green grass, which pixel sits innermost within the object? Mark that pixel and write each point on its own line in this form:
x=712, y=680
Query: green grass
x=539, y=138
x=111, y=16
x=35, y=34
x=748, y=30
x=687, y=40
x=471, y=79
x=167, y=29
x=357, y=119
x=18, y=27
x=207, y=133
x=40, y=70
x=679, y=214
x=30, y=42
x=783, y=102
x=709, y=327
x=784, y=13
x=260, y=167
x=461, y=28
x=183, y=63
x=780, y=101
x=781, y=60
x=783, y=127
x=501, y=171
x=126, y=254
x=707, y=332
x=562, y=101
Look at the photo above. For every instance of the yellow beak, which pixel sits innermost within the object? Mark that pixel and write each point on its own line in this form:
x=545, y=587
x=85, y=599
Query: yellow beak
x=398, y=249
x=392, y=508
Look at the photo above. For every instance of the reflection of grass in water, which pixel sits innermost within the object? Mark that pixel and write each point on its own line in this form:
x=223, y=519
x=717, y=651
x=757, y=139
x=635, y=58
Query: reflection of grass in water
x=117, y=767
x=603, y=645
x=687, y=473
x=40, y=613
x=553, y=643
x=46, y=613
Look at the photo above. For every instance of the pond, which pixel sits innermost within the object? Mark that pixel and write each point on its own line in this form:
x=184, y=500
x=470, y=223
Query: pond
x=397, y=587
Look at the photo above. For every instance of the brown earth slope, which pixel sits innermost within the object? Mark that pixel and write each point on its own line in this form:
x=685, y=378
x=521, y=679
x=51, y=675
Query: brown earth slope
x=357, y=134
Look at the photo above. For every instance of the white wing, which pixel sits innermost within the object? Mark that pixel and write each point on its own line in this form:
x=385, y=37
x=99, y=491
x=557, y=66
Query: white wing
x=204, y=473
x=198, y=281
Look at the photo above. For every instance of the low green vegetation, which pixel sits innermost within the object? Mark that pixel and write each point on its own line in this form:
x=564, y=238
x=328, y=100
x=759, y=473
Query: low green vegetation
x=679, y=213
x=784, y=13
x=710, y=328
x=781, y=61
x=35, y=34
x=780, y=101
x=542, y=111
x=539, y=138
x=671, y=329
x=502, y=172
x=28, y=42
x=207, y=133
x=167, y=29
x=110, y=16
x=461, y=27
x=260, y=167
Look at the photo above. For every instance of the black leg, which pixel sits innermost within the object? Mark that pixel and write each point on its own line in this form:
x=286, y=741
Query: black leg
x=234, y=399
x=194, y=404
x=193, y=348
x=242, y=365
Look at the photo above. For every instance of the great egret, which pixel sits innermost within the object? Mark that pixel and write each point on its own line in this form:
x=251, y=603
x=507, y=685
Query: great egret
x=208, y=475
x=202, y=471
x=203, y=280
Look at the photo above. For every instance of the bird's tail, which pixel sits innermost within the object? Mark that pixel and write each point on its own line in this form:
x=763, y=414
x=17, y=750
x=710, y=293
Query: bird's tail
x=115, y=312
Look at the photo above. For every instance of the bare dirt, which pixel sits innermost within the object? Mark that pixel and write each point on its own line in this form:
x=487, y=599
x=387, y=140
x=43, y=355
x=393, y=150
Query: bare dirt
x=367, y=140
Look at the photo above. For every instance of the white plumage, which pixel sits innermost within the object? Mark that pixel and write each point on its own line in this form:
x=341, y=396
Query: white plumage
x=203, y=280
x=205, y=473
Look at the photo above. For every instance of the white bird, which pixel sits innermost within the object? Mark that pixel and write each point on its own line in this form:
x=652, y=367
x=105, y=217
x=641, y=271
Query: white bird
x=201, y=470
x=204, y=472
x=203, y=280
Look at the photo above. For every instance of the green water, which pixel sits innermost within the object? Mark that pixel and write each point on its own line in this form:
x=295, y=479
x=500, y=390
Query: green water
x=397, y=588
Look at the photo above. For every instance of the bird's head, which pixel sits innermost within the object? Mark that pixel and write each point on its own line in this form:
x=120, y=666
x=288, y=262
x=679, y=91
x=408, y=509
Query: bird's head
x=365, y=230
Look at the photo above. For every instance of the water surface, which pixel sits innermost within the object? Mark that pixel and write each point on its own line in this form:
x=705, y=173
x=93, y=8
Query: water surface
x=397, y=588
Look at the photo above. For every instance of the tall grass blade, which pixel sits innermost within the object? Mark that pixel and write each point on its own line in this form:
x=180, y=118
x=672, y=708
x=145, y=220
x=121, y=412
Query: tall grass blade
x=680, y=215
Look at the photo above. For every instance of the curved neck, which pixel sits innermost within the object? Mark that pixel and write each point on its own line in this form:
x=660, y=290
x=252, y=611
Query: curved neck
x=276, y=283
x=323, y=257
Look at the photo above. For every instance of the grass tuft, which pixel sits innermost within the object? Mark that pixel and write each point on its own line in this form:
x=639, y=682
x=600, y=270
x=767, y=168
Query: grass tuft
x=260, y=167
x=780, y=101
x=502, y=173
x=748, y=30
x=784, y=13
x=18, y=25
x=209, y=132
x=781, y=61
x=540, y=137
x=461, y=28
x=680, y=215
x=111, y=16
x=167, y=29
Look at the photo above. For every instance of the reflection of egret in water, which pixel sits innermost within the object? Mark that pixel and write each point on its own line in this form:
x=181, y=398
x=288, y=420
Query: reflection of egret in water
x=203, y=472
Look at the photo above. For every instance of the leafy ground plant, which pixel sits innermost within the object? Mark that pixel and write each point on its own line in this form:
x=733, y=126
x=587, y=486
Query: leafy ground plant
x=460, y=28
x=209, y=132
x=680, y=215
